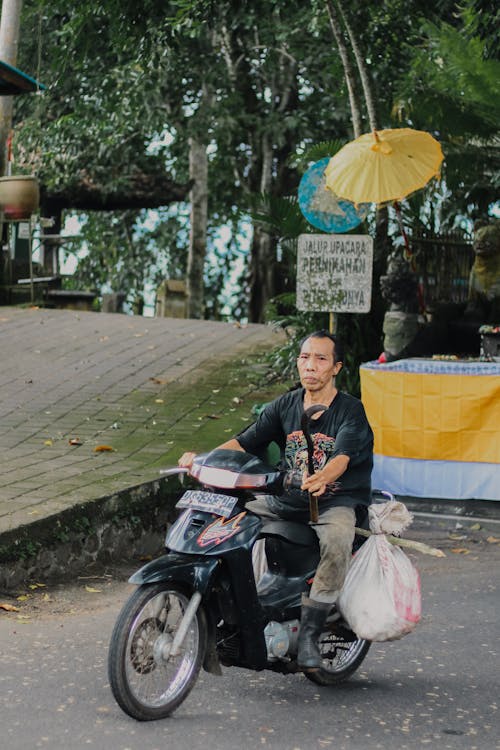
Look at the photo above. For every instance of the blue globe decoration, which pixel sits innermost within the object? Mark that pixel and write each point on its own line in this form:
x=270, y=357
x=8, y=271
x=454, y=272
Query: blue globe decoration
x=322, y=208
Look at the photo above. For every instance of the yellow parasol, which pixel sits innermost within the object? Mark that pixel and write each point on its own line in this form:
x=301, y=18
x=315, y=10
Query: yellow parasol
x=384, y=166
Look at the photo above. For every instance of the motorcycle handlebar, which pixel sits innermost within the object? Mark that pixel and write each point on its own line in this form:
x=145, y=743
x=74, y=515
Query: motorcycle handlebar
x=174, y=470
x=292, y=480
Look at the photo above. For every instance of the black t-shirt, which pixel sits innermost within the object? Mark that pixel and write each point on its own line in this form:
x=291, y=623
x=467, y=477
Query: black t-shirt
x=342, y=429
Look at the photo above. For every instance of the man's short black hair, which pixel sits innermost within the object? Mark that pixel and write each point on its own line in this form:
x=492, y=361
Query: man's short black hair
x=338, y=349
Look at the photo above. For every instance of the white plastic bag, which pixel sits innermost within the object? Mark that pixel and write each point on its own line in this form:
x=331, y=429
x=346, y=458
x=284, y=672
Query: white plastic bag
x=381, y=598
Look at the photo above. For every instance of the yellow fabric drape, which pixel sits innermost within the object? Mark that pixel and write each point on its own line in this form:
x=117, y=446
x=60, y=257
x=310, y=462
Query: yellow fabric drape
x=434, y=417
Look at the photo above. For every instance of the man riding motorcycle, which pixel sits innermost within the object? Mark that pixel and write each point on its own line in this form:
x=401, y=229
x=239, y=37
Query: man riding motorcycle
x=341, y=482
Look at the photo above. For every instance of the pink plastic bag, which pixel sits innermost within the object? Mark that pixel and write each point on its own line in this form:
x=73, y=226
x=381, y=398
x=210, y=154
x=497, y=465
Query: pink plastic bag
x=381, y=598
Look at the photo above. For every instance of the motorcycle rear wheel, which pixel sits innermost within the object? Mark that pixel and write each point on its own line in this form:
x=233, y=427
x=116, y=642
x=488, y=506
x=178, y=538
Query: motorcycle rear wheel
x=146, y=681
x=341, y=659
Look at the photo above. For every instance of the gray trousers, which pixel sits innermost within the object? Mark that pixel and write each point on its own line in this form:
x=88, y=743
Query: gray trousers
x=335, y=532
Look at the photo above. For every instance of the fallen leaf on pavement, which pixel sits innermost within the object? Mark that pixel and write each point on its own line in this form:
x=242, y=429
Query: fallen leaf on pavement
x=92, y=590
x=461, y=551
x=475, y=527
x=159, y=381
x=23, y=598
x=211, y=416
x=103, y=449
x=493, y=540
x=75, y=441
x=159, y=401
x=457, y=537
x=8, y=607
x=48, y=442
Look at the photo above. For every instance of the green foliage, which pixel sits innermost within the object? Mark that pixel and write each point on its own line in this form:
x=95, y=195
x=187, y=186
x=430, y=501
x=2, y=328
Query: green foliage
x=315, y=152
x=481, y=19
x=451, y=86
x=123, y=255
x=125, y=93
x=279, y=216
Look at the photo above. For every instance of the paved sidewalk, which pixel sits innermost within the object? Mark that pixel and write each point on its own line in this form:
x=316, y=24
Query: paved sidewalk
x=73, y=382
x=92, y=405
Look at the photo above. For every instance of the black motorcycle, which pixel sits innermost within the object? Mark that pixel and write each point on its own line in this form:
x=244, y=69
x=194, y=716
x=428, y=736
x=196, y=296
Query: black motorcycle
x=199, y=604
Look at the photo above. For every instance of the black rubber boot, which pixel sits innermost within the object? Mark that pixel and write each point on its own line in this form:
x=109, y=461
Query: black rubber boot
x=312, y=620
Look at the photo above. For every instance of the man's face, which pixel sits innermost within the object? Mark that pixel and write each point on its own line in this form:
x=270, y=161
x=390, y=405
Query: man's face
x=316, y=363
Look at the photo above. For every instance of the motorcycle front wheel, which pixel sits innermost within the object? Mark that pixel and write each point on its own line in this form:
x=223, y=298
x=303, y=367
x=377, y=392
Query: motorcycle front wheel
x=340, y=658
x=147, y=682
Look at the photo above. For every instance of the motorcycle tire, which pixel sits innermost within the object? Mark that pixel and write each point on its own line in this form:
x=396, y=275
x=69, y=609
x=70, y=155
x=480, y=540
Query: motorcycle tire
x=146, y=681
x=341, y=658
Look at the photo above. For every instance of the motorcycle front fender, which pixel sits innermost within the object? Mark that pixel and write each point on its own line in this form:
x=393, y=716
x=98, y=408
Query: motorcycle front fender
x=194, y=572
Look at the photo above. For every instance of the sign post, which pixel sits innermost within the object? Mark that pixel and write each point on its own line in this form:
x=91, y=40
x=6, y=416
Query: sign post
x=334, y=273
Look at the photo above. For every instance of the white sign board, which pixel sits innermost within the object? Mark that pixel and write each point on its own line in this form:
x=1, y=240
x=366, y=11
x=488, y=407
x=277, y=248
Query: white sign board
x=334, y=272
x=23, y=232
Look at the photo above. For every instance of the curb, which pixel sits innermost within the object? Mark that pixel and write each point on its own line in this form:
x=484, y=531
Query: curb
x=486, y=510
x=129, y=523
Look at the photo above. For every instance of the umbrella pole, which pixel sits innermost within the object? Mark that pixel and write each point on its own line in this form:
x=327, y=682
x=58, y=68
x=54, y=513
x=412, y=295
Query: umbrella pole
x=332, y=324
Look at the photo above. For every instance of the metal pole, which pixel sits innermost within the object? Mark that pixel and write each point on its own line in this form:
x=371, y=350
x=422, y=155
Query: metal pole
x=30, y=250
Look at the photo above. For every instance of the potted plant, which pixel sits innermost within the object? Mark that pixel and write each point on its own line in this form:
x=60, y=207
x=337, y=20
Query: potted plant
x=19, y=196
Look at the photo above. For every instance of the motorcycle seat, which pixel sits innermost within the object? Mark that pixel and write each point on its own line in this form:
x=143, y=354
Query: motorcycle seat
x=297, y=533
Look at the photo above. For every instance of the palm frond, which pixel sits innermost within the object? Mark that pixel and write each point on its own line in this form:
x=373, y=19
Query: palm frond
x=316, y=152
x=279, y=216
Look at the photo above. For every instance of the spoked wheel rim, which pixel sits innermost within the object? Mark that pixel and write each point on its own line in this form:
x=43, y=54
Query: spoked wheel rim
x=338, y=654
x=156, y=678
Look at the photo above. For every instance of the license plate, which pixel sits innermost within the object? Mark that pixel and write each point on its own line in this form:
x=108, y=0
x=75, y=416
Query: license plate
x=209, y=502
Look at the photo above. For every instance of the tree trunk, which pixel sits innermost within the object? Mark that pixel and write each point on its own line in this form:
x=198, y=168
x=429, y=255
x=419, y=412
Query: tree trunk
x=382, y=245
x=263, y=251
x=262, y=263
x=9, y=36
x=350, y=78
x=198, y=171
x=363, y=72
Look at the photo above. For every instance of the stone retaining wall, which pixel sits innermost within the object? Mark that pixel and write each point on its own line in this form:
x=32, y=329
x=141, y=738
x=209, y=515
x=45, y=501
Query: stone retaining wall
x=129, y=524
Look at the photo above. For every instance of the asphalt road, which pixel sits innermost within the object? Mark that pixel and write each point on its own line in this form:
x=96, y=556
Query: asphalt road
x=438, y=687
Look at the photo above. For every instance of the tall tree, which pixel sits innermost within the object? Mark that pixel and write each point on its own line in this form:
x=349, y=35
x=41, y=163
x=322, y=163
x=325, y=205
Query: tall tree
x=126, y=88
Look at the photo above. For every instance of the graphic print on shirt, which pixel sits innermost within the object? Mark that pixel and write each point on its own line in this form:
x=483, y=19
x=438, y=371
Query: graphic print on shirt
x=296, y=450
